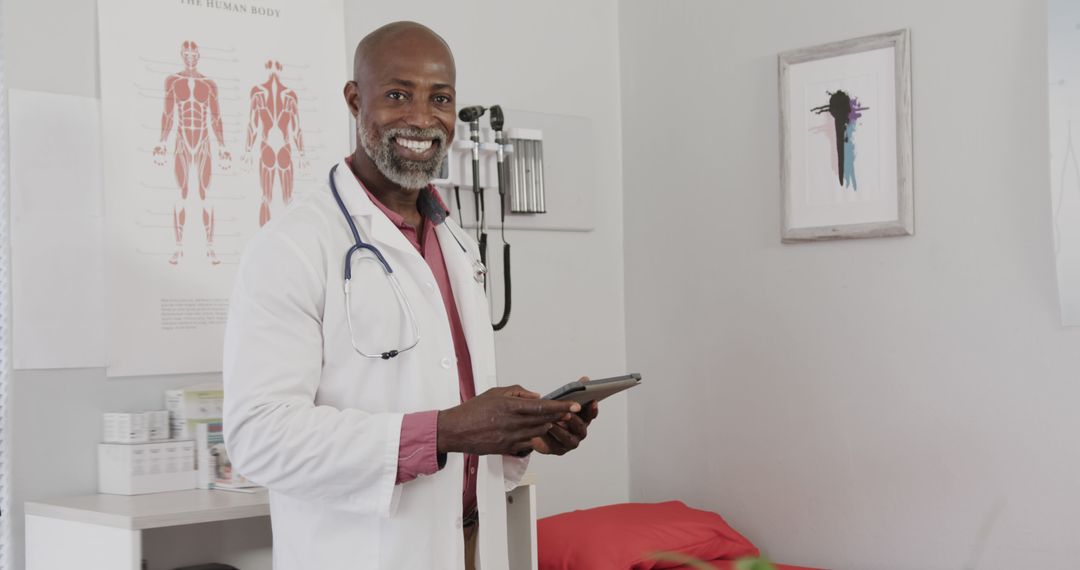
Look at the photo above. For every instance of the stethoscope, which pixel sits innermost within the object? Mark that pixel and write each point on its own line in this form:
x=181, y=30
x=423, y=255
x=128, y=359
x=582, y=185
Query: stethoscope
x=479, y=271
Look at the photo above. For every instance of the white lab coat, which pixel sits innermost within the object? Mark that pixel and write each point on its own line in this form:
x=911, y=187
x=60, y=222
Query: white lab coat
x=317, y=424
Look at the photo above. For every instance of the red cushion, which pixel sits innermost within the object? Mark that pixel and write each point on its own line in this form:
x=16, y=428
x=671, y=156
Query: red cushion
x=730, y=565
x=621, y=537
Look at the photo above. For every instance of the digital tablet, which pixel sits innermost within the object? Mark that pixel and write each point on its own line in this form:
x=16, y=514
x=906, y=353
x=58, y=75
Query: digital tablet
x=594, y=390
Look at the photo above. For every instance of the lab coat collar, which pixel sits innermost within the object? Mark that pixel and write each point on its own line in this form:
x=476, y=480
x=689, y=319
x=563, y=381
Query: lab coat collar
x=371, y=221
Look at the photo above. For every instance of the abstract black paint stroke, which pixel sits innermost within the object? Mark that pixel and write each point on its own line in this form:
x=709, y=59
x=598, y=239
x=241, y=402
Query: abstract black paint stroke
x=840, y=108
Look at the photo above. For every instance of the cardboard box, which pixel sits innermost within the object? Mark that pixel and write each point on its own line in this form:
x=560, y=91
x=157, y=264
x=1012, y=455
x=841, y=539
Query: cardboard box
x=157, y=425
x=192, y=405
x=138, y=468
x=125, y=427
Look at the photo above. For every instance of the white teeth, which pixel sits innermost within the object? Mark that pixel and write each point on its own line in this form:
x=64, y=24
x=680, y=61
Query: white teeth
x=416, y=146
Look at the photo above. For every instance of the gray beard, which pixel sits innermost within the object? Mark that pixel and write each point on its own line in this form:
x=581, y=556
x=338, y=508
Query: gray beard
x=409, y=174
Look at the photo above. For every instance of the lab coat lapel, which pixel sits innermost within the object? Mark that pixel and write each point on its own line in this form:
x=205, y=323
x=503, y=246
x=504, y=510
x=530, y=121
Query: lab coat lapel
x=470, y=300
x=373, y=224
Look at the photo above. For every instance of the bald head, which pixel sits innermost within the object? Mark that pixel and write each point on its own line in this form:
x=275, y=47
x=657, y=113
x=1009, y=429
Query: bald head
x=398, y=40
x=404, y=100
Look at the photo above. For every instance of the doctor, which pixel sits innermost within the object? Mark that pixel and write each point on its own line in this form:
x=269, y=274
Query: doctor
x=350, y=378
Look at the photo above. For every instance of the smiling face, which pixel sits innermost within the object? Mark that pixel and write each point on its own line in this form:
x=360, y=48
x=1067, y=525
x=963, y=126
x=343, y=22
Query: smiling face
x=404, y=100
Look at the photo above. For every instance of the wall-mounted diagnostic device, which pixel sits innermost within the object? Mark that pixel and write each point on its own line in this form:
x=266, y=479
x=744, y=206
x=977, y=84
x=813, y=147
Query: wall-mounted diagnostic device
x=526, y=176
x=528, y=192
x=499, y=157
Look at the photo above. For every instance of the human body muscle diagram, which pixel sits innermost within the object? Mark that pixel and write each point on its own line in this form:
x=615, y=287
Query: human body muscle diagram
x=191, y=102
x=274, y=121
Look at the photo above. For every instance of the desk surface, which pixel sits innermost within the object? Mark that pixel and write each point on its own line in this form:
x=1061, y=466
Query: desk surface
x=154, y=510
x=157, y=510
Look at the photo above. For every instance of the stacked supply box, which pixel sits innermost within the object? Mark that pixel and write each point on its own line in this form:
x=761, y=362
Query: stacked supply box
x=157, y=425
x=193, y=405
x=137, y=468
x=125, y=427
x=136, y=427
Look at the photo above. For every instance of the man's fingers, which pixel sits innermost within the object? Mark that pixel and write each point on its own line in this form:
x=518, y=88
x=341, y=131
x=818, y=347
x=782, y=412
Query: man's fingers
x=517, y=391
x=553, y=408
x=583, y=379
x=534, y=422
x=564, y=437
x=576, y=426
x=537, y=431
x=592, y=409
x=520, y=392
x=521, y=448
x=556, y=441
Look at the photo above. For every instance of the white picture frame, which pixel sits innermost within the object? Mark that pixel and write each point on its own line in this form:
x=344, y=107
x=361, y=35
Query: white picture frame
x=1063, y=68
x=845, y=139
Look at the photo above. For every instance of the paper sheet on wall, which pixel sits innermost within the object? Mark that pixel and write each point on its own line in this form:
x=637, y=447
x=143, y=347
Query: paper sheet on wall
x=58, y=268
x=215, y=115
x=1063, y=38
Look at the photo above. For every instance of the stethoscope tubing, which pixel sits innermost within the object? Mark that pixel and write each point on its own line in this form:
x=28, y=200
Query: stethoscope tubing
x=360, y=244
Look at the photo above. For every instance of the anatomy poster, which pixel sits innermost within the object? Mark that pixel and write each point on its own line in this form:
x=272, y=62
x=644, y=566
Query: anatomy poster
x=1063, y=36
x=215, y=116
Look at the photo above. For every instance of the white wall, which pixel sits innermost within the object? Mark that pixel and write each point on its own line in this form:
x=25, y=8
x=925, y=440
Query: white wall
x=558, y=57
x=861, y=404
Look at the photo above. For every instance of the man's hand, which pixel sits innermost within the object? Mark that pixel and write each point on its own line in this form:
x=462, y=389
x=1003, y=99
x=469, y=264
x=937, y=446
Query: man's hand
x=500, y=421
x=565, y=436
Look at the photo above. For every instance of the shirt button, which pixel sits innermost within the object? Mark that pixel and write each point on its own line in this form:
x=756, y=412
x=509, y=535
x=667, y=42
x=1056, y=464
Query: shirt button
x=472, y=471
x=446, y=363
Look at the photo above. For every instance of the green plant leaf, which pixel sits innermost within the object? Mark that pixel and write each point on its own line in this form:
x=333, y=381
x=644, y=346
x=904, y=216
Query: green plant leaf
x=754, y=564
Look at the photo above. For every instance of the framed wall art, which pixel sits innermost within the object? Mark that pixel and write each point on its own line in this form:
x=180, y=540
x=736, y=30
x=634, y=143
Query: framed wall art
x=1063, y=50
x=845, y=139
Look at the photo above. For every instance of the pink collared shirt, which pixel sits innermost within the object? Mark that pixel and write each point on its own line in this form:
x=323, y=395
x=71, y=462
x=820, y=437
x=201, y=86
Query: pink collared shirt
x=416, y=451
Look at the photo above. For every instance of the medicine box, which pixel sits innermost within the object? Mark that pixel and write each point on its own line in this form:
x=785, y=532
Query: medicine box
x=124, y=427
x=157, y=425
x=192, y=405
x=135, y=427
x=137, y=468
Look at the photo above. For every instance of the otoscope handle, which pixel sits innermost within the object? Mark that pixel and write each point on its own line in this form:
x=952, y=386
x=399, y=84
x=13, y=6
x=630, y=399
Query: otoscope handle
x=474, y=134
x=483, y=254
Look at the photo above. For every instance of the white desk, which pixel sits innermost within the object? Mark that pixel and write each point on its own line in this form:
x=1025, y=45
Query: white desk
x=104, y=532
